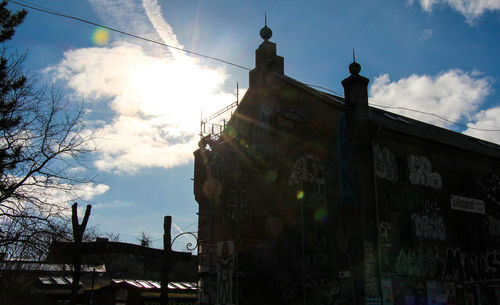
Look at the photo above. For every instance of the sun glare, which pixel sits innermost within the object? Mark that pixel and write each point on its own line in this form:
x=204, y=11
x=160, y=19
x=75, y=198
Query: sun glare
x=177, y=91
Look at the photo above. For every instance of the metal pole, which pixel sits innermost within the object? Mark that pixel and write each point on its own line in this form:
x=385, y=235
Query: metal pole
x=167, y=251
x=303, y=250
x=91, y=297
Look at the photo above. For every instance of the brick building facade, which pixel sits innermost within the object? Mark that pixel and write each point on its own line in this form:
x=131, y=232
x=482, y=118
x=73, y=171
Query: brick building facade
x=311, y=198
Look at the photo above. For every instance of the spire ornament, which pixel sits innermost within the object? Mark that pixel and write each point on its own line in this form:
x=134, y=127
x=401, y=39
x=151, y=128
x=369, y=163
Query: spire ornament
x=354, y=68
x=266, y=32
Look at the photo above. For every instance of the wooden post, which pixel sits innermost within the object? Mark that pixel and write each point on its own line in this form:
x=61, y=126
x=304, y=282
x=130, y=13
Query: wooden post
x=167, y=239
x=78, y=230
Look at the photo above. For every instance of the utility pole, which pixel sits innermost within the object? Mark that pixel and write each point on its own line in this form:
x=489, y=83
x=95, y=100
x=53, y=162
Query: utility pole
x=167, y=252
x=78, y=230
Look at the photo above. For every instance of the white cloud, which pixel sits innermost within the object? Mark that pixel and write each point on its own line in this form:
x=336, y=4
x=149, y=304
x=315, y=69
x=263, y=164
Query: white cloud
x=471, y=9
x=453, y=94
x=486, y=119
x=155, y=95
x=54, y=199
x=426, y=34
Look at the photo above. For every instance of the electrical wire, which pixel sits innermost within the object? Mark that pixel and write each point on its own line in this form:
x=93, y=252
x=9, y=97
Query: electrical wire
x=436, y=115
x=52, y=12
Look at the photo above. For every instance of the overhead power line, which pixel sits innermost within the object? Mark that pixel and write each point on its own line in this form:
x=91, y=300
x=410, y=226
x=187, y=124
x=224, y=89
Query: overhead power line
x=436, y=115
x=52, y=12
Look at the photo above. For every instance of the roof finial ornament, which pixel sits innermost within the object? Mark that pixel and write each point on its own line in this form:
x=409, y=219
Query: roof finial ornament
x=265, y=32
x=354, y=68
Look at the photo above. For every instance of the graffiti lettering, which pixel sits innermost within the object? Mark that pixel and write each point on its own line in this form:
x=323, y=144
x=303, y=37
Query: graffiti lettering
x=429, y=227
x=384, y=243
x=421, y=265
x=370, y=264
x=327, y=289
x=491, y=187
x=421, y=172
x=385, y=163
x=308, y=169
x=493, y=226
x=428, y=224
x=461, y=266
x=383, y=231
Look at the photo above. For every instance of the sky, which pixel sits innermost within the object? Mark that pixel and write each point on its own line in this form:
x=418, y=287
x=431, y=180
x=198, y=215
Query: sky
x=144, y=101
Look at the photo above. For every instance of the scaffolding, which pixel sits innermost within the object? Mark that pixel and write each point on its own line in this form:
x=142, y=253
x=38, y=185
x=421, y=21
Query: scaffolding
x=212, y=125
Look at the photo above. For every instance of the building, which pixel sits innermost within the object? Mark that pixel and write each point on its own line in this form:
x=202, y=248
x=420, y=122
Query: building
x=310, y=198
x=112, y=273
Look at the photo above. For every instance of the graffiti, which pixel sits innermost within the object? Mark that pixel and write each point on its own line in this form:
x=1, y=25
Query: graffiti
x=383, y=232
x=346, y=170
x=421, y=172
x=429, y=227
x=428, y=224
x=225, y=268
x=207, y=290
x=493, y=226
x=384, y=243
x=461, y=266
x=420, y=265
x=370, y=264
x=385, y=163
x=308, y=169
x=491, y=187
x=323, y=290
x=317, y=261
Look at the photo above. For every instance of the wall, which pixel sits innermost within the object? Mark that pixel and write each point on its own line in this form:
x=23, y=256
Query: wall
x=438, y=220
x=270, y=187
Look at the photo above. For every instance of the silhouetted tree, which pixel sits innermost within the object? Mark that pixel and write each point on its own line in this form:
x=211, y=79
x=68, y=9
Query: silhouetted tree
x=145, y=239
x=42, y=141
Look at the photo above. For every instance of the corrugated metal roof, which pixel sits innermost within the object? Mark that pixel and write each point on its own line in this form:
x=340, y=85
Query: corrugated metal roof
x=41, y=266
x=156, y=285
x=56, y=280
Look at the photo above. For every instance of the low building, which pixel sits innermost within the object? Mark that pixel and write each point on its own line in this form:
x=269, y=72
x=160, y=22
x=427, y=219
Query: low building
x=112, y=273
x=311, y=198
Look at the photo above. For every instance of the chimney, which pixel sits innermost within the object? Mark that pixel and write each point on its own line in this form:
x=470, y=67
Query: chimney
x=356, y=94
x=266, y=60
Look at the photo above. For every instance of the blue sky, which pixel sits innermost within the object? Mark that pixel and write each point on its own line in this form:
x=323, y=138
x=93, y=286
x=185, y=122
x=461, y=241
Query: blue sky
x=145, y=100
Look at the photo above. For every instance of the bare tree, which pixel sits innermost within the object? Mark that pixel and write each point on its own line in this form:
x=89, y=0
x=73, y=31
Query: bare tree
x=42, y=141
x=145, y=239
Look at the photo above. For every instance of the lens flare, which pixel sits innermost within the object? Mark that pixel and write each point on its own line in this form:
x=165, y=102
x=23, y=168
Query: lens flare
x=100, y=36
x=300, y=194
x=321, y=215
x=271, y=175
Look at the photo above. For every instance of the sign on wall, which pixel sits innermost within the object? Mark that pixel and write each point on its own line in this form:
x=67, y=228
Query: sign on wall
x=467, y=204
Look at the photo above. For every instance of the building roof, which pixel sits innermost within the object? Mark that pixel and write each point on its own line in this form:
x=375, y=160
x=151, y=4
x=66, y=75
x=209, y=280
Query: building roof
x=398, y=123
x=45, y=267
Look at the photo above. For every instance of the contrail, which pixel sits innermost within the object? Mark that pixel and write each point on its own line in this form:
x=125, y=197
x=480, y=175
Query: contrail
x=153, y=11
